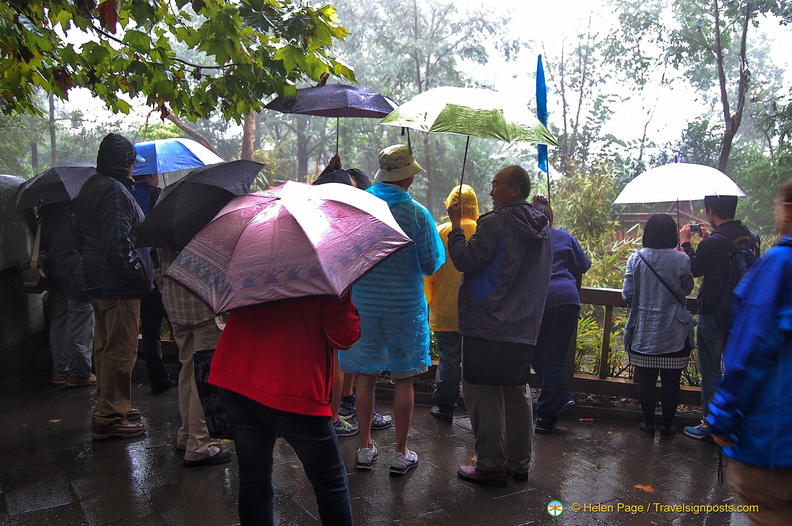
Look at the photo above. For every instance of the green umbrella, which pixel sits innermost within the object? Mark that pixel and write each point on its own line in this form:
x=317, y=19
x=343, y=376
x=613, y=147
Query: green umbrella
x=470, y=111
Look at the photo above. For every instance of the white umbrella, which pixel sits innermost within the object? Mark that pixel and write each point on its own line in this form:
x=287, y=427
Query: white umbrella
x=678, y=182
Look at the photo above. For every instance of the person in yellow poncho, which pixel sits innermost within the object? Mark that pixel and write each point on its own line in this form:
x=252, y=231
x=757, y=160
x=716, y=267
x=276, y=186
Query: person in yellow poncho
x=442, y=292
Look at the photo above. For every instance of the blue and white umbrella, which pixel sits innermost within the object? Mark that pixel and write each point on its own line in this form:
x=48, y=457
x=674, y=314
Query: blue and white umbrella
x=171, y=155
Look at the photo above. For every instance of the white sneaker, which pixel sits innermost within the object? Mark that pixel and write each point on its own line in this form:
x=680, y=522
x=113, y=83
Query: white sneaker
x=402, y=463
x=367, y=455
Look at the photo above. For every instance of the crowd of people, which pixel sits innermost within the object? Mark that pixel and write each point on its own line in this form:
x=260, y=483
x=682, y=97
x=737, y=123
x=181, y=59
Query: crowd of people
x=499, y=291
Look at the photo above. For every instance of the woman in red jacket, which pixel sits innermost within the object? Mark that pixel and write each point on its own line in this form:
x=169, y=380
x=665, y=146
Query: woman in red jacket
x=276, y=361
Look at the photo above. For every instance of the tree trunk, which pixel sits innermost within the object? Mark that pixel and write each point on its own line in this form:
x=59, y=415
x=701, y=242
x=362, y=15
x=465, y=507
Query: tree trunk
x=565, y=156
x=257, y=135
x=248, y=135
x=53, y=137
x=731, y=121
x=300, y=125
x=192, y=132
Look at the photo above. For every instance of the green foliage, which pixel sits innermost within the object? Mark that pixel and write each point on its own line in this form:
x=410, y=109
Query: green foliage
x=251, y=49
x=19, y=132
x=633, y=50
x=588, y=344
x=400, y=56
x=159, y=131
x=699, y=144
x=693, y=43
x=581, y=78
x=760, y=176
x=582, y=206
x=275, y=164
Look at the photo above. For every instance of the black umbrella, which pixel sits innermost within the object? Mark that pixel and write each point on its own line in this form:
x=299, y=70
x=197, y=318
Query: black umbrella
x=58, y=184
x=187, y=206
x=335, y=100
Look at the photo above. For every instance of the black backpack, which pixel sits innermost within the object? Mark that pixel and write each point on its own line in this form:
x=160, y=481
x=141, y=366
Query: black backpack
x=741, y=262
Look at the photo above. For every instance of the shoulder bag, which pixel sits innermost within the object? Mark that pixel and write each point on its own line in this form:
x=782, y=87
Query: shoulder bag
x=34, y=276
x=690, y=339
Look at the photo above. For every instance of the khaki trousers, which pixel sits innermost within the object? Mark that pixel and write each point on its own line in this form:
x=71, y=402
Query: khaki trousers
x=769, y=489
x=193, y=434
x=115, y=353
x=502, y=420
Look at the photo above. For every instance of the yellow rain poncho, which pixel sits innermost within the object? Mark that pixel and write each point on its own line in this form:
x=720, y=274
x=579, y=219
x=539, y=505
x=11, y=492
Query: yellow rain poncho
x=442, y=287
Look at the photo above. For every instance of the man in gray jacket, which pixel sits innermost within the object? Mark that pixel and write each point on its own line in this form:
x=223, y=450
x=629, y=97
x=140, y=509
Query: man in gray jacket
x=506, y=266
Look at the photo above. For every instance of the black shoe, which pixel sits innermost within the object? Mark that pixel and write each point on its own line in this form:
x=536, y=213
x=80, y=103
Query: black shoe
x=668, y=431
x=519, y=476
x=166, y=386
x=566, y=407
x=649, y=430
x=221, y=457
x=543, y=427
x=442, y=414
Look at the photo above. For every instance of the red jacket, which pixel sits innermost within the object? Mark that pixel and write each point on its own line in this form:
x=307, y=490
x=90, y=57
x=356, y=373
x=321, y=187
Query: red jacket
x=281, y=354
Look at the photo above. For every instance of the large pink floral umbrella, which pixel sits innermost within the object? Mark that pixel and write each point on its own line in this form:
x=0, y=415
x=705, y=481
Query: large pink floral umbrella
x=292, y=241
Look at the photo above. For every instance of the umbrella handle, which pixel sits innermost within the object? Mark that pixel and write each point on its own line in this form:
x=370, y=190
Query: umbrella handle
x=407, y=131
x=336, y=134
x=464, y=162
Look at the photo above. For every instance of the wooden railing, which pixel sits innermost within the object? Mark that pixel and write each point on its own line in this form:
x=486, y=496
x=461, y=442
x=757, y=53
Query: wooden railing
x=601, y=383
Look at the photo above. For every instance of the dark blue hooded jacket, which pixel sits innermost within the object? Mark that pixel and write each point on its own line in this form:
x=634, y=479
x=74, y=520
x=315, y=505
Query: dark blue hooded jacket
x=506, y=266
x=106, y=221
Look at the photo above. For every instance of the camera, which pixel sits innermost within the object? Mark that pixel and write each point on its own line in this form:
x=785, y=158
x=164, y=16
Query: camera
x=695, y=228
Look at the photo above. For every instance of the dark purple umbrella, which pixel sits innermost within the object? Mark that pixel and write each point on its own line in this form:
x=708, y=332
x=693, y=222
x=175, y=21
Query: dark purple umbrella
x=188, y=205
x=58, y=184
x=335, y=100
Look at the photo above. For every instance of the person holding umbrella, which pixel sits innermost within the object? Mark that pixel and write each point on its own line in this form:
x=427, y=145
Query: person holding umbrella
x=182, y=210
x=506, y=266
x=393, y=311
x=194, y=329
x=442, y=291
x=276, y=362
x=72, y=325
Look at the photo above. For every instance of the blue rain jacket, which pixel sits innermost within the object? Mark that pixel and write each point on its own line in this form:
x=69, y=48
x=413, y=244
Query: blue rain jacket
x=390, y=297
x=752, y=404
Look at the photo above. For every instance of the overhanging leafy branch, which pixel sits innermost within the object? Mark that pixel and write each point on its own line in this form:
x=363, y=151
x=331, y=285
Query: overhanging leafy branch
x=125, y=49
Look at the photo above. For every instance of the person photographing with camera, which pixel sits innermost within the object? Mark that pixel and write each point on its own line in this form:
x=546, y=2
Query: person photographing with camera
x=712, y=260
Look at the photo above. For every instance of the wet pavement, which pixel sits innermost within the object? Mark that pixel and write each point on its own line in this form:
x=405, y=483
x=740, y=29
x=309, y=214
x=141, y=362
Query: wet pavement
x=51, y=473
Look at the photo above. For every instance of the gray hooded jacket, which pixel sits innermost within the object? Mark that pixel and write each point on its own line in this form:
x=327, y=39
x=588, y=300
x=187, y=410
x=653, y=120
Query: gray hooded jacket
x=506, y=266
